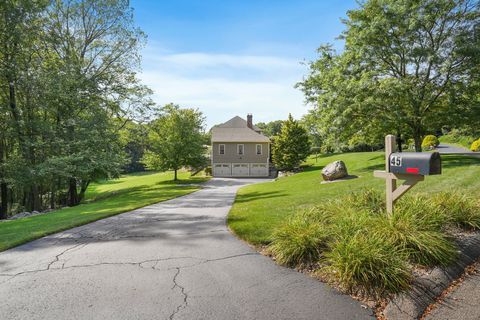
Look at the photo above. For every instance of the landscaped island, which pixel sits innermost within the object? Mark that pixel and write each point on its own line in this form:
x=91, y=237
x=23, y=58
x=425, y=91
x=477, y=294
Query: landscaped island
x=340, y=232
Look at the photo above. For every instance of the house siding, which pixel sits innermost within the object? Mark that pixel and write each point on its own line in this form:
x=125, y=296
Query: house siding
x=231, y=155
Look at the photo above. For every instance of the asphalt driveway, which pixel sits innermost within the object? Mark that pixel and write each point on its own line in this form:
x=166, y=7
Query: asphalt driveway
x=172, y=260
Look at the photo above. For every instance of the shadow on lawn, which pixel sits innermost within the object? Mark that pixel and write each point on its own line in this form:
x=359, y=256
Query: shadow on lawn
x=259, y=195
x=455, y=161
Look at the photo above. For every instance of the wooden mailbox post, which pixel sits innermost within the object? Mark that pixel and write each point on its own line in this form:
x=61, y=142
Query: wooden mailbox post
x=409, y=166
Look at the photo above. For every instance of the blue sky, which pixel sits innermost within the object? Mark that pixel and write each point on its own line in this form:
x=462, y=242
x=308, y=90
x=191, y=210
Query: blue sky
x=231, y=58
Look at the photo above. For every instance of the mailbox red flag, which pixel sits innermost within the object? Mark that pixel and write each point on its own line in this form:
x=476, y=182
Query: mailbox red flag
x=413, y=170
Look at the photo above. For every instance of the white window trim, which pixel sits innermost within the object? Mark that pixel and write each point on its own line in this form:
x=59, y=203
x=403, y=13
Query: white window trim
x=256, y=149
x=238, y=149
x=219, y=149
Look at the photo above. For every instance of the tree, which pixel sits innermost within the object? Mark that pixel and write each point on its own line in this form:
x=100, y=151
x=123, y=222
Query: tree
x=133, y=138
x=67, y=73
x=176, y=140
x=406, y=68
x=271, y=128
x=291, y=146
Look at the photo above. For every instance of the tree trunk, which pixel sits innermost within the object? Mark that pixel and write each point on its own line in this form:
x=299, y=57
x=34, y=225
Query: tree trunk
x=83, y=188
x=417, y=137
x=3, y=200
x=399, y=141
x=36, y=201
x=72, y=192
x=175, y=177
x=3, y=186
x=33, y=199
x=52, y=198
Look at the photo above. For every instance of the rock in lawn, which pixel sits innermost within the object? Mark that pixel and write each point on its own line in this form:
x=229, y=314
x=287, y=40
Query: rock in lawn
x=334, y=170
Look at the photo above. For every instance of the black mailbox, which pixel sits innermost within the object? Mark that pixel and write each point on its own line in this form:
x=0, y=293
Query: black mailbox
x=419, y=163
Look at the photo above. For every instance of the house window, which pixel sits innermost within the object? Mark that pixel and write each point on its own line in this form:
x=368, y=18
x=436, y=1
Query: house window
x=258, y=148
x=221, y=149
x=240, y=149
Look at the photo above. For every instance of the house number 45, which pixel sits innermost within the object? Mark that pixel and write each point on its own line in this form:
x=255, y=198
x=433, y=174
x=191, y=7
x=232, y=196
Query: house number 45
x=396, y=161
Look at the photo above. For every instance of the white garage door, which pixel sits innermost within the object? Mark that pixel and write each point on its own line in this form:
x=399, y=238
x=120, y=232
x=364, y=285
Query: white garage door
x=222, y=170
x=258, y=170
x=239, y=170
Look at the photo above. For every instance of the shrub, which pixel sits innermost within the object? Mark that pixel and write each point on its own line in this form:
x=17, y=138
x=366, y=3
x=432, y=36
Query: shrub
x=410, y=144
x=475, y=146
x=298, y=242
x=462, y=211
x=430, y=141
x=461, y=137
x=208, y=171
x=367, y=264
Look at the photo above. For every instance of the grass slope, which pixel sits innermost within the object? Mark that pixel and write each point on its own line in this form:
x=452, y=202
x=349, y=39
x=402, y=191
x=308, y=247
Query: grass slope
x=103, y=199
x=459, y=141
x=260, y=208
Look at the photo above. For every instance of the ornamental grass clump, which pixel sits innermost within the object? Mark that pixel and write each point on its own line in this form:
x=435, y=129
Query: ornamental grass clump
x=300, y=241
x=353, y=242
x=368, y=199
x=416, y=228
x=367, y=265
x=461, y=210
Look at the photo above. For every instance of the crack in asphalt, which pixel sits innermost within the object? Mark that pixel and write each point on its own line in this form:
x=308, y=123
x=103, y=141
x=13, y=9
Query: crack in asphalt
x=49, y=265
x=57, y=257
x=139, y=263
x=184, y=304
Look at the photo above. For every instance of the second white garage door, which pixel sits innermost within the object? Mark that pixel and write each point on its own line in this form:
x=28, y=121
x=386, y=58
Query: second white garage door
x=258, y=170
x=239, y=170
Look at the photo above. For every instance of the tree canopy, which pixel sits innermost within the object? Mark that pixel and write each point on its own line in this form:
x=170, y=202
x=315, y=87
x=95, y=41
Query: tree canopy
x=67, y=74
x=291, y=146
x=271, y=128
x=176, y=139
x=409, y=67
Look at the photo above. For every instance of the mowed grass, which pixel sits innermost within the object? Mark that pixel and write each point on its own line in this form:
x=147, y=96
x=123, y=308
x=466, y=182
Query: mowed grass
x=261, y=208
x=103, y=199
x=459, y=141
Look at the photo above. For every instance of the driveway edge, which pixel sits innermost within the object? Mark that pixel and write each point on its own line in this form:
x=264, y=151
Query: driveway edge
x=427, y=288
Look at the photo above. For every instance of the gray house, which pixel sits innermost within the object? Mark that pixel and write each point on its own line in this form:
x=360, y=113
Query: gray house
x=239, y=149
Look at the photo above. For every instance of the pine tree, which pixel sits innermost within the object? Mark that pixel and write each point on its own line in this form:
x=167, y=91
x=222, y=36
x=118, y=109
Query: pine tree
x=292, y=146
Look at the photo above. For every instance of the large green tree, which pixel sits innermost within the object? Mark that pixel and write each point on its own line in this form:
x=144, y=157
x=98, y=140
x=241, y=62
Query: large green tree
x=406, y=69
x=67, y=73
x=271, y=128
x=291, y=146
x=176, y=140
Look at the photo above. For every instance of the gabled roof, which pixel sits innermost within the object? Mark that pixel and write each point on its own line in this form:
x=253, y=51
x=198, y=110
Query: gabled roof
x=236, y=130
x=237, y=122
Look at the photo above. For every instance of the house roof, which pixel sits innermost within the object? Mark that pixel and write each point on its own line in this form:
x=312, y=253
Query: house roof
x=236, y=130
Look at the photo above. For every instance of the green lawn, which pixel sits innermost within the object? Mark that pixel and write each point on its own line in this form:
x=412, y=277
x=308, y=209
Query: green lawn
x=260, y=208
x=459, y=141
x=103, y=199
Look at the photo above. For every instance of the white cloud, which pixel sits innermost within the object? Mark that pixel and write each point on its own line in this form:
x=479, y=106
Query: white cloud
x=224, y=85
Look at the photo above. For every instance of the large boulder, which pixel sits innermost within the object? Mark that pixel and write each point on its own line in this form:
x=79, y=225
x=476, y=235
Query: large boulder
x=334, y=170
